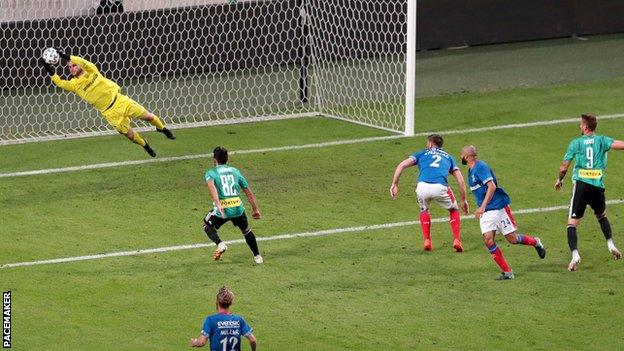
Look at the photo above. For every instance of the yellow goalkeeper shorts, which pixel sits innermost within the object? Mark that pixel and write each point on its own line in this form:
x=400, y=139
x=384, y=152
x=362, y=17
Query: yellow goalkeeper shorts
x=123, y=110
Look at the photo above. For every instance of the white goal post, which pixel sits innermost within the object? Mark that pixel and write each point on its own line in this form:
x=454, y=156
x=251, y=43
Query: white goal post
x=207, y=62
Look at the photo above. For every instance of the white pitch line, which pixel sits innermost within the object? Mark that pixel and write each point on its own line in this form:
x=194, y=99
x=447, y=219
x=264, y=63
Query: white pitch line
x=290, y=147
x=518, y=125
x=196, y=156
x=269, y=238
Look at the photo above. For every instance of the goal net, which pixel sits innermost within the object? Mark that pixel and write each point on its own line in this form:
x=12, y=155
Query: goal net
x=206, y=62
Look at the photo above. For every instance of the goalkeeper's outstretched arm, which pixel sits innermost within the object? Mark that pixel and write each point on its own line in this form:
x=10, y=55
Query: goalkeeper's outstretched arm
x=56, y=79
x=89, y=67
x=48, y=67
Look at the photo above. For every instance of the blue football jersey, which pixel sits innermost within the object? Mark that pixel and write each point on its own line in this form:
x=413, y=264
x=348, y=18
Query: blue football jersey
x=434, y=165
x=478, y=176
x=225, y=331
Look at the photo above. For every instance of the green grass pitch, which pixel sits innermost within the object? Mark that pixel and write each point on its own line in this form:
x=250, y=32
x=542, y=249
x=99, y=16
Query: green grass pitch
x=368, y=290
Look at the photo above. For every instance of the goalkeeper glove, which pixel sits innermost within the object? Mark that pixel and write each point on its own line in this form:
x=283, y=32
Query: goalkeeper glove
x=62, y=54
x=48, y=67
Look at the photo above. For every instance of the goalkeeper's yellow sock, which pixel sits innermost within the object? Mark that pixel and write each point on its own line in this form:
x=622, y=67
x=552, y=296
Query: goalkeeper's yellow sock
x=157, y=122
x=138, y=140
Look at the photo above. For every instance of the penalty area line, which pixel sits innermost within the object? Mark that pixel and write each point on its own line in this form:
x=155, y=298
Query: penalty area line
x=290, y=147
x=196, y=156
x=518, y=125
x=269, y=238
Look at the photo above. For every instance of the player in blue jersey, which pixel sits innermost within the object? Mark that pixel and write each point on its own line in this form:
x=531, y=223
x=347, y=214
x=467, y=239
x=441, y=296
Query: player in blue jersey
x=589, y=152
x=434, y=167
x=224, y=329
x=493, y=211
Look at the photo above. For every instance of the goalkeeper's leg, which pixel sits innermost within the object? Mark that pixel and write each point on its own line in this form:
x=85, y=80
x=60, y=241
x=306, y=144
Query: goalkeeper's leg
x=158, y=123
x=121, y=124
x=136, y=138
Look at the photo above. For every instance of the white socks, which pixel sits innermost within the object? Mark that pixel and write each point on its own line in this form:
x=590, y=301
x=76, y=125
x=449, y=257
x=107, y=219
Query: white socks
x=611, y=245
x=576, y=256
x=221, y=247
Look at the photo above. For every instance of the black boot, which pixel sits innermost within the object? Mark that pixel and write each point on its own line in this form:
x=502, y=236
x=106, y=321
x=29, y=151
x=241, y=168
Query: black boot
x=149, y=150
x=167, y=133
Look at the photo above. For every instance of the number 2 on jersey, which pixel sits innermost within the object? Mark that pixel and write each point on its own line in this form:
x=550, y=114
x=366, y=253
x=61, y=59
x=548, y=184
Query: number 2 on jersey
x=227, y=185
x=436, y=161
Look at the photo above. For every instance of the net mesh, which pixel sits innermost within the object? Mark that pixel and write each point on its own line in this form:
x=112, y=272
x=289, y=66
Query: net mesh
x=207, y=62
x=359, y=49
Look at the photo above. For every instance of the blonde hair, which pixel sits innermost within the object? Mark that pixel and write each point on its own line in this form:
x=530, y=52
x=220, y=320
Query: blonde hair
x=225, y=297
x=470, y=150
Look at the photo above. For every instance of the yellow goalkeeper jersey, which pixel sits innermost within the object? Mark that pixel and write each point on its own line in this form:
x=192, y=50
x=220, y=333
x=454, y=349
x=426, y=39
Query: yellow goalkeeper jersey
x=91, y=86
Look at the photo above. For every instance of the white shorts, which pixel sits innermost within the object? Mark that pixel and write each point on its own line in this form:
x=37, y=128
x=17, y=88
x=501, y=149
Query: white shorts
x=442, y=194
x=500, y=220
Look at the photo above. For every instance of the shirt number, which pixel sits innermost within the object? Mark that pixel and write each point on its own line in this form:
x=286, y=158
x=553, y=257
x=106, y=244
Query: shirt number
x=233, y=341
x=227, y=185
x=506, y=223
x=436, y=161
x=589, y=154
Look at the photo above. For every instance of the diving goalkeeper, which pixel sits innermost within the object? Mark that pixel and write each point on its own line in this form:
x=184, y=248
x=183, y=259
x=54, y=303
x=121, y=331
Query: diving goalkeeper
x=105, y=95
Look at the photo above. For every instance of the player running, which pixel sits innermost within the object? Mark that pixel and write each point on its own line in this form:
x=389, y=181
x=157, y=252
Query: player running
x=493, y=212
x=105, y=95
x=434, y=166
x=225, y=183
x=224, y=329
x=590, y=161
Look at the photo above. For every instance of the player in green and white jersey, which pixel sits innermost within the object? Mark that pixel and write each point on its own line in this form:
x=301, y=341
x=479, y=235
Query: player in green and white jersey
x=225, y=184
x=589, y=153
